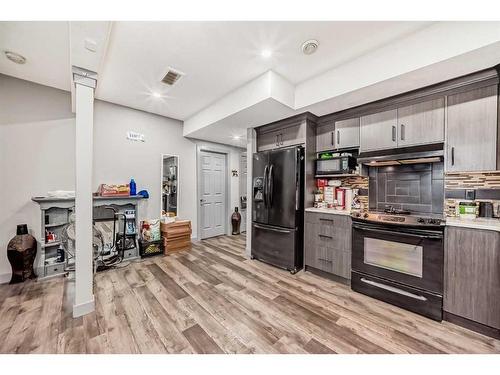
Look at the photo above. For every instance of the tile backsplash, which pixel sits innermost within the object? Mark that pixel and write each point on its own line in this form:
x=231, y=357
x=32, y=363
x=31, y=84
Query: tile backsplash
x=414, y=187
x=485, y=184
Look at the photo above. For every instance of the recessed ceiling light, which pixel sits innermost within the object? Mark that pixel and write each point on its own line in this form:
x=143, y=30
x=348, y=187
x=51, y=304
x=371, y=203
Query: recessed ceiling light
x=266, y=53
x=310, y=46
x=15, y=57
x=156, y=94
x=236, y=137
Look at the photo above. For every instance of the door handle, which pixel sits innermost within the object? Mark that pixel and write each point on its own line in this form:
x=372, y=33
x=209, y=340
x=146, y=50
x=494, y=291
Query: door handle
x=393, y=289
x=265, y=185
x=338, y=137
x=402, y=132
x=453, y=156
x=272, y=229
x=271, y=185
x=393, y=133
x=202, y=200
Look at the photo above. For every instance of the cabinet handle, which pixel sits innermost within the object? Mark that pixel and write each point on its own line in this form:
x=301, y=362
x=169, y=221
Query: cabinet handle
x=281, y=136
x=332, y=142
x=330, y=220
x=325, y=260
x=338, y=137
x=277, y=143
x=393, y=133
x=325, y=236
x=453, y=156
x=402, y=132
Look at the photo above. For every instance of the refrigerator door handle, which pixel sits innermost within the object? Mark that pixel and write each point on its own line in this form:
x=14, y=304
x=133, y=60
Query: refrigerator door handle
x=264, y=192
x=271, y=185
x=272, y=229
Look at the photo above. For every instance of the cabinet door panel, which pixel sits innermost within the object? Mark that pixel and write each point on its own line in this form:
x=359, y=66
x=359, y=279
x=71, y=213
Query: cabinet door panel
x=472, y=275
x=347, y=133
x=267, y=141
x=421, y=123
x=472, y=130
x=378, y=131
x=292, y=135
x=325, y=137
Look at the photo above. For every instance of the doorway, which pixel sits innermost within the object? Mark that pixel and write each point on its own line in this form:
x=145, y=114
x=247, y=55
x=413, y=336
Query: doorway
x=212, y=193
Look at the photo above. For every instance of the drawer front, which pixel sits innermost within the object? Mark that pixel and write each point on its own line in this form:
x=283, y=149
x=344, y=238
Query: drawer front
x=55, y=269
x=333, y=261
x=343, y=221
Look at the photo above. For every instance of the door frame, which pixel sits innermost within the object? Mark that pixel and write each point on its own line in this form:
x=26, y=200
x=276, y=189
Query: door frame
x=216, y=150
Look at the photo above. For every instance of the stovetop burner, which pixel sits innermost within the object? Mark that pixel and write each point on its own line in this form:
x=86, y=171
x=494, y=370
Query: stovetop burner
x=394, y=211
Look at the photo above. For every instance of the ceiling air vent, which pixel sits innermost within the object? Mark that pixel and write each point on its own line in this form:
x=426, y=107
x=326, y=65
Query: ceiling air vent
x=172, y=76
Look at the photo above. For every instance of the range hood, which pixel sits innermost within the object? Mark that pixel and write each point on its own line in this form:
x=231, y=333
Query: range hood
x=414, y=155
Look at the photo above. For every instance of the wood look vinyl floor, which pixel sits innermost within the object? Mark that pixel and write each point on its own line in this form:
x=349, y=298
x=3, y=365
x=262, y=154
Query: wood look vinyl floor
x=214, y=300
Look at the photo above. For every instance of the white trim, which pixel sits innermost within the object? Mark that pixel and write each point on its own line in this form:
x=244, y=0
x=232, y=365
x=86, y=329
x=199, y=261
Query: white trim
x=5, y=278
x=227, y=222
x=84, y=308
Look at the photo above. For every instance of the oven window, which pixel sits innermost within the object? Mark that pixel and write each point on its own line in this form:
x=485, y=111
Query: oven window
x=332, y=165
x=395, y=256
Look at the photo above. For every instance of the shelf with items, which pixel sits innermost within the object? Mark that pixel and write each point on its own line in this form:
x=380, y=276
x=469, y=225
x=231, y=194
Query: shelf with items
x=55, y=214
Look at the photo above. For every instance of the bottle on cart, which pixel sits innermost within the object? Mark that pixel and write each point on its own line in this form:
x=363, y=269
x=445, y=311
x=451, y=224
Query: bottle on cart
x=133, y=187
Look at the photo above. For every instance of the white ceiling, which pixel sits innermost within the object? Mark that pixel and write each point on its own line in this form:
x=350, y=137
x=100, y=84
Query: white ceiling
x=217, y=57
x=46, y=48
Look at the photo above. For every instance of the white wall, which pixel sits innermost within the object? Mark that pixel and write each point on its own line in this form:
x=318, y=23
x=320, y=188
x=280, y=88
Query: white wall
x=37, y=140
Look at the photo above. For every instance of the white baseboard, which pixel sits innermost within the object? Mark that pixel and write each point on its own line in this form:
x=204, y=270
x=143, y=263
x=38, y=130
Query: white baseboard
x=83, y=308
x=5, y=278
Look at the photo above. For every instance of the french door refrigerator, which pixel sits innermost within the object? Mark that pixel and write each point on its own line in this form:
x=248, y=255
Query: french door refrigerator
x=277, y=209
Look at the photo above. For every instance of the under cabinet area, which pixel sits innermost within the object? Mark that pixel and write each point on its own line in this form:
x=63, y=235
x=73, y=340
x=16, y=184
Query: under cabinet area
x=472, y=130
x=472, y=275
x=327, y=243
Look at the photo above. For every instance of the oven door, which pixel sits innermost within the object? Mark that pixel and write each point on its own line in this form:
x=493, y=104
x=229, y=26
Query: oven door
x=409, y=256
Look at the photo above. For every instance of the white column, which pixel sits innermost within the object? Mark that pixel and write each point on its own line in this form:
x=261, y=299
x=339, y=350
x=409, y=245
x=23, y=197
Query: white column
x=84, y=106
x=251, y=148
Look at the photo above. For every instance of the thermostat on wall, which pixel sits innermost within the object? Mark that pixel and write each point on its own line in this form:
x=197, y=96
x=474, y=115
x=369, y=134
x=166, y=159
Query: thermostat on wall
x=133, y=136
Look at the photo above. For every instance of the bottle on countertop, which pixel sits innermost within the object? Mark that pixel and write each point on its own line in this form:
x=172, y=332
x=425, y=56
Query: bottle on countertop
x=133, y=187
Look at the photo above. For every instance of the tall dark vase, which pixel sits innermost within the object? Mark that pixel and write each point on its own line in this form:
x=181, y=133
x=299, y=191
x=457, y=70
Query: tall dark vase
x=235, y=221
x=21, y=252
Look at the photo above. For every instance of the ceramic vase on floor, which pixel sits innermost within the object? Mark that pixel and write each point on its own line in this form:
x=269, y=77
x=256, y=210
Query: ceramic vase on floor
x=21, y=252
x=235, y=221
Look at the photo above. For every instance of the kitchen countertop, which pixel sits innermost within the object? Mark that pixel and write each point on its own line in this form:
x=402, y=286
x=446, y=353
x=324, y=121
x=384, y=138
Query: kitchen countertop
x=478, y=223
x=332, y=211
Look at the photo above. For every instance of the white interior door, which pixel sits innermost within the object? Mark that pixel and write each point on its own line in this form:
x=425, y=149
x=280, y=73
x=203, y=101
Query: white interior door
x=212, y=194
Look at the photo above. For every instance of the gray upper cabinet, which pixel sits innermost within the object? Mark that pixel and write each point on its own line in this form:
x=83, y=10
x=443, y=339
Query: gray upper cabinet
x=472, y=275
x=378, y=131
x=472, y=130
x=421, y=123
x=325, y=137
x=347, y=133
x=292, y=134
x=267, y=140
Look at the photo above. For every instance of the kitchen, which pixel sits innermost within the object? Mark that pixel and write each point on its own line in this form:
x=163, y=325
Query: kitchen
x=251, y=187
x=398, y=198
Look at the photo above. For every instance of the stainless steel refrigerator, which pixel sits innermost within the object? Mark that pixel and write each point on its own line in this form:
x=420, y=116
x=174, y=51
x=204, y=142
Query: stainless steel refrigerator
x=277, y=207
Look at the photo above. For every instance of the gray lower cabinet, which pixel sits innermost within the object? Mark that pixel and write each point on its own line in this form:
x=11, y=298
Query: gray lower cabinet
x=327, y=243
x=421, y=123
x=378, y=131
x=472, y=275
x=472, y=130
x=325, y=137
x=347, y=133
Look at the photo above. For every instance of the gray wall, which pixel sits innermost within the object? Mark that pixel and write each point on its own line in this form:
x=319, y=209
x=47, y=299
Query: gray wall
x=37, y=139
